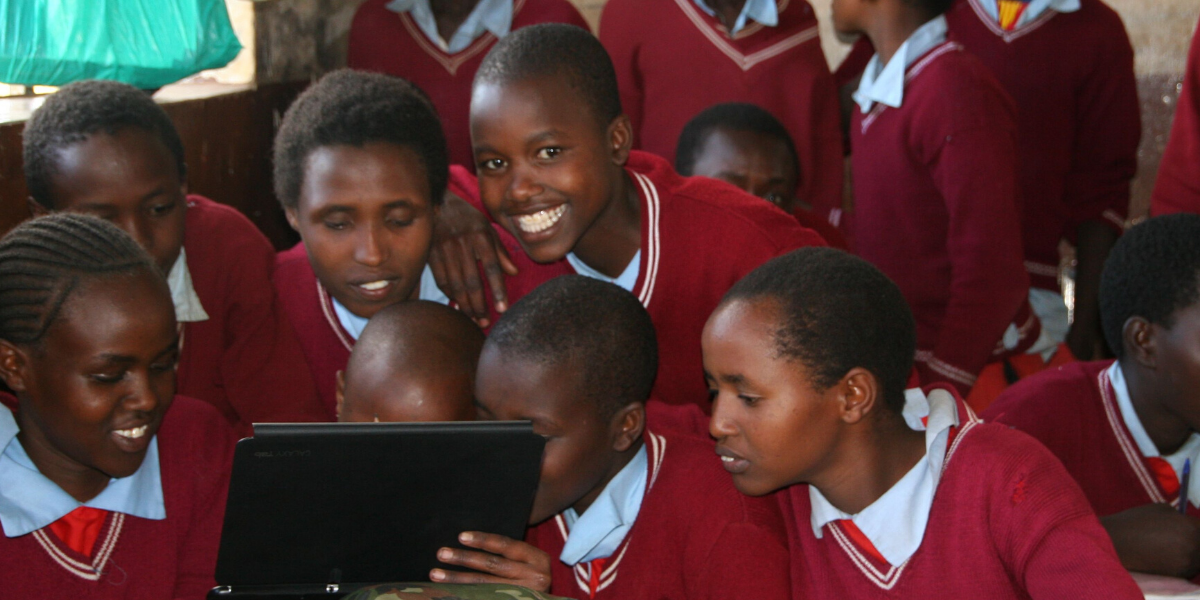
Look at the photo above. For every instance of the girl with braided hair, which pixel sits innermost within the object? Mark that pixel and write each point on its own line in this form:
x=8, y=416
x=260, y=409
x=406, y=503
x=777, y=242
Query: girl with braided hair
x=110, y=485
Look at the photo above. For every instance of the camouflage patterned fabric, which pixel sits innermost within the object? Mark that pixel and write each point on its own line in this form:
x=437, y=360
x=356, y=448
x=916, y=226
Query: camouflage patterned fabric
x=428, y=591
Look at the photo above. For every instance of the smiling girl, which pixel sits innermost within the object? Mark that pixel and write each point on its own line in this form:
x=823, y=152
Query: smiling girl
x=104, y=492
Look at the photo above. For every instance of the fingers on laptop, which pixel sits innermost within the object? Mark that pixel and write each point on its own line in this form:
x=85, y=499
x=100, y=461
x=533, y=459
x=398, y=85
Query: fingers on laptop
x=499, y=559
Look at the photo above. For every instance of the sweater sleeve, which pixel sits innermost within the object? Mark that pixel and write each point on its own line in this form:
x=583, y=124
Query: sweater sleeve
x=746, y=561
x=211, y=456
x=1178, y=186
x=1047, y=534
x=617, y=23
x=262, y=367
x=1107, y=130
x=818, y=135
x=971, y=152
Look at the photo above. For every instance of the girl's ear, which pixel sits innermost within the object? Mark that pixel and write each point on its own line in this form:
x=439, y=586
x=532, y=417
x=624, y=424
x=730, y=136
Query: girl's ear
x=620, y=139
x=858, y=394
x=13, y=366
x=628, y=423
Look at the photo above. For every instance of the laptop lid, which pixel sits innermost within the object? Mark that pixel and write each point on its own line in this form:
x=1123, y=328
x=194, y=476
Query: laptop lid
x=356, y=503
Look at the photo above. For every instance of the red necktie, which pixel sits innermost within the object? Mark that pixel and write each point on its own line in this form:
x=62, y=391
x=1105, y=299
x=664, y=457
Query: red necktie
x=861, y=540
x=1165, y=474
x=79, y=528
x=597, y=567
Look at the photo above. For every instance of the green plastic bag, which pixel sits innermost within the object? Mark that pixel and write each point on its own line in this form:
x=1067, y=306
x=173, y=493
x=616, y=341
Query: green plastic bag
x=145, y=43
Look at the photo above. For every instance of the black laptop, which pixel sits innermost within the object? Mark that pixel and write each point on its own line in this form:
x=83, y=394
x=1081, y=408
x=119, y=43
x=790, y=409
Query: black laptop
x=319, y=510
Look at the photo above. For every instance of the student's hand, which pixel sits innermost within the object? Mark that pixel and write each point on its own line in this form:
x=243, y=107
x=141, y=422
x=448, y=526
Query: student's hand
x=503, y=560
x=1156, y=539
x=463, y=236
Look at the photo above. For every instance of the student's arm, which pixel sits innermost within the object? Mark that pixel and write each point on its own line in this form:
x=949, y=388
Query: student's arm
x=212, y=457
x=619, y=25
x=1155, y=538
x=815, y=125
x=970, y=149
x=1103, y=162
x=1046, y=533
x=500, y=559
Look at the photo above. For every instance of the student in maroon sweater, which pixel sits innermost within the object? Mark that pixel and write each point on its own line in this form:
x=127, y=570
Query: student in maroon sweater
x=1177, y=188
x=438, y=45
x=104, y=492
x=415, y=361
x=1125, y=430
x=886, y=492
x=106, y=149
x=935, y=185
x=556, y=171
x=747, y=147
x=675, y=58
x=622, y=511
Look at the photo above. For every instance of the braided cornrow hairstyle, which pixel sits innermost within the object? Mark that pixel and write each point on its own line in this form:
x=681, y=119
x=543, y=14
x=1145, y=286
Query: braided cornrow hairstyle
x=43, y=260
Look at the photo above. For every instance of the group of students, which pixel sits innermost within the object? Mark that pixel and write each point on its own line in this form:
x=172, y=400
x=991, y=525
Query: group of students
x=633, y=311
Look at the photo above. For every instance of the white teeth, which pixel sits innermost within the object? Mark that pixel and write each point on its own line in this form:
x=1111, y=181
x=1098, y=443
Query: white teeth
x=375, y=285
x=541, y=220
x=134, y=433
x=727, y=459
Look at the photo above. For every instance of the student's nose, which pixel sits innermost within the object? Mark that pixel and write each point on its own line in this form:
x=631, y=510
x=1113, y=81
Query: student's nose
x=371, y=249
x=144, y=397
x=137, y=229
x=720, y=425
x=523, y=188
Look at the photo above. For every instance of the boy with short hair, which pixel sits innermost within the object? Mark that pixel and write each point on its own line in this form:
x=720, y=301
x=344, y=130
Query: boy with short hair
x=556, y=170
x=360, y=169
x=886, y=492
x=1126, y=429
x=438, y=46
x=674, y=58
x=747, y=147
x=415, y=361
x=935, y=184
x=107, y=149
x=623, y=511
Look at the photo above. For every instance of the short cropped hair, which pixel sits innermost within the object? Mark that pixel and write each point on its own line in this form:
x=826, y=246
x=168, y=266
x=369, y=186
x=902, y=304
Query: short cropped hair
x=80, y=110
x=354, y=108
x=557, y=50
x=1152, y=272
x=43, y=260
x=836, y=312
x=590, y=326
x=734, y=116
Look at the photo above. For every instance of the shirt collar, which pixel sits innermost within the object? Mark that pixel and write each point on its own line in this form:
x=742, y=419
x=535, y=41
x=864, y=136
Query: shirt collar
x=895, y=523
x=765, y=12
x=354, y=324
x=183, y=294
x=489, y=15
x=626, y=280
x=1189, y=450
x=29, y=501
x=598, y=532
x=1033, y=10
x=885, y=83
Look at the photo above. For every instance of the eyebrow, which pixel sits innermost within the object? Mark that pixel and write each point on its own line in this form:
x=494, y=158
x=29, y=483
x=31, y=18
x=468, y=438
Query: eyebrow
x=152, y=194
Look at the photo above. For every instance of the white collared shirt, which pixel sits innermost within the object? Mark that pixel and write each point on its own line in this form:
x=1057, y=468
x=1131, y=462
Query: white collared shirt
x=1189, y=450
x=187, y=304
x=29, y=501
x=1033, y=11
x=626, y=280
x=354, y=324
x=764, y=12
x=489, y=15
x=895, y=523
x=599, y=531
x=885, y=83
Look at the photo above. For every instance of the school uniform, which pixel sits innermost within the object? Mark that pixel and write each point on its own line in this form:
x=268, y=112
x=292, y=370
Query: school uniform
x=239, y=353
x=936, y=203
x=1068, y=65
x=1177, y=188
x=327, y=330
x=649, y=534
x=674, y=59
x=400, y=37
x=151, y=535
x=1083, y=413
x=987, y=513
x=699, y=236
